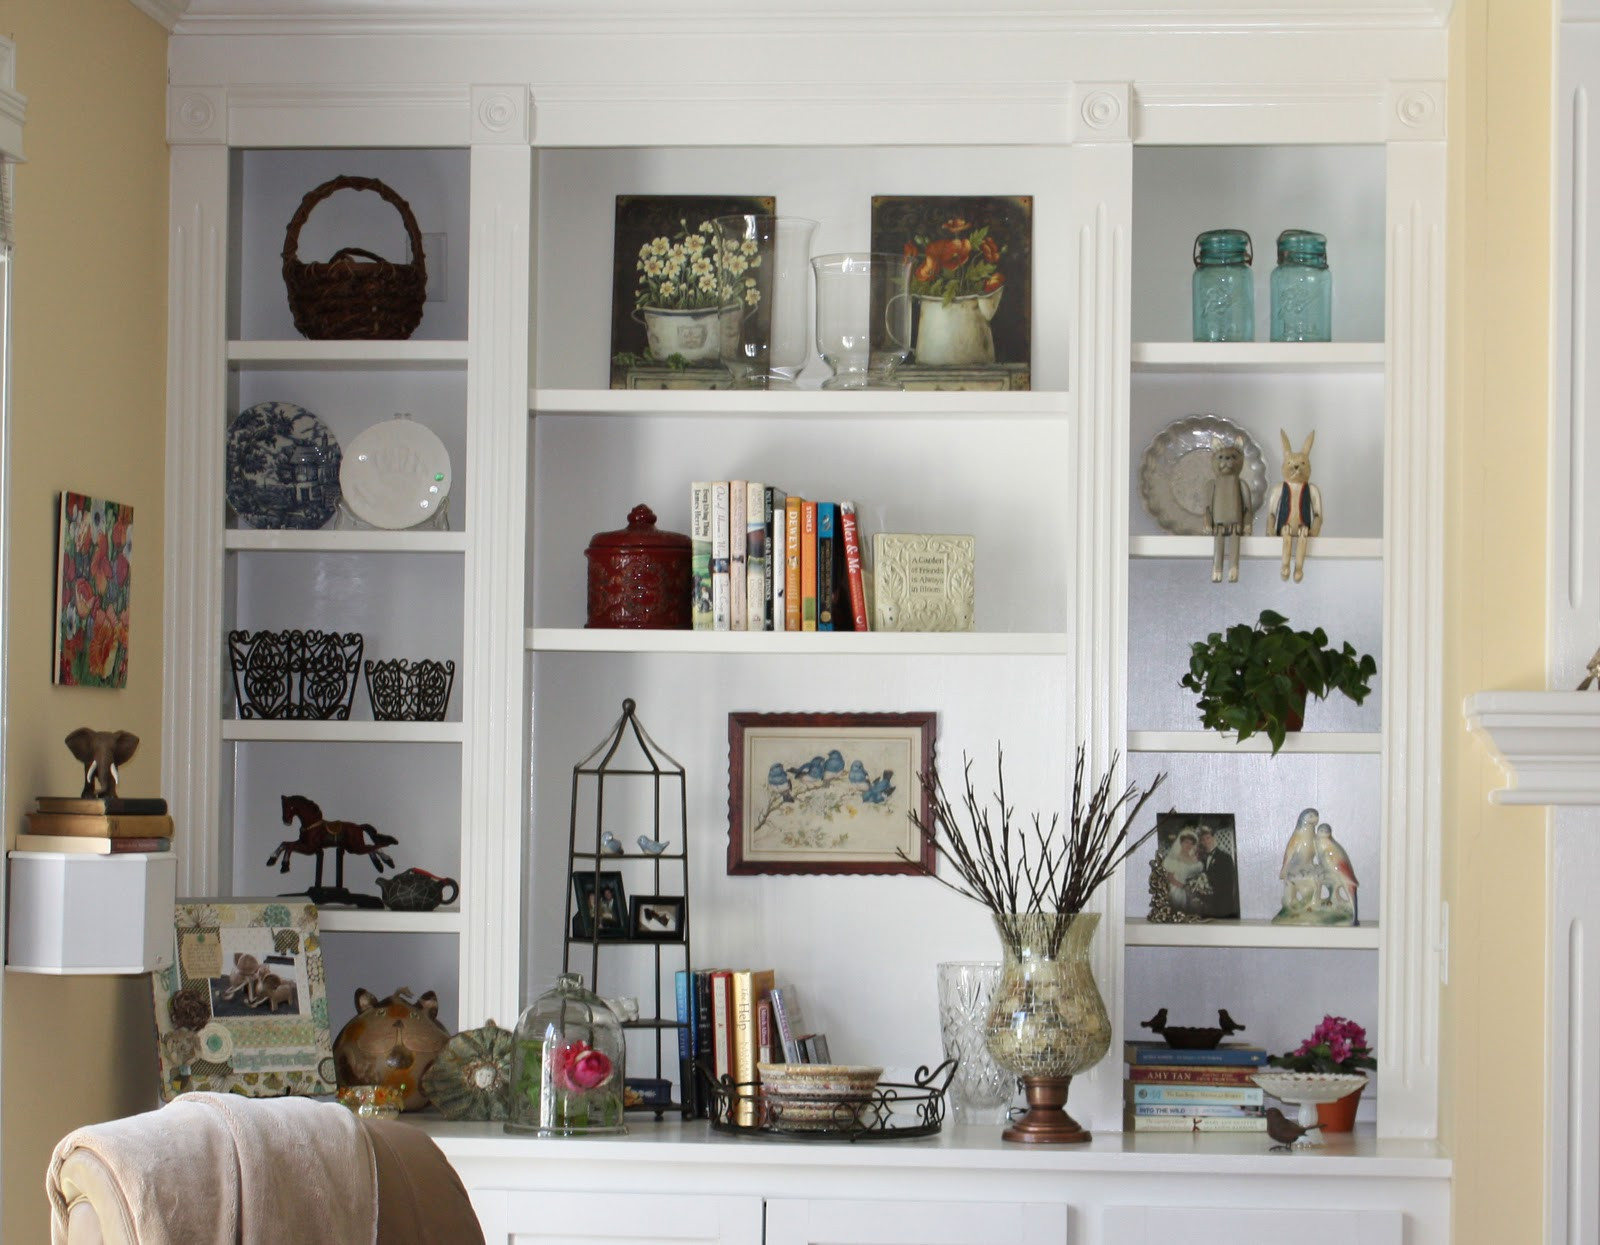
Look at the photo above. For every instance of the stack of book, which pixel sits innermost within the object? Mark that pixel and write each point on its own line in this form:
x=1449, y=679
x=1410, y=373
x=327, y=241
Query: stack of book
x=102, y=827
x=1178, y=1091
x=767, y=560
x=730, y=1021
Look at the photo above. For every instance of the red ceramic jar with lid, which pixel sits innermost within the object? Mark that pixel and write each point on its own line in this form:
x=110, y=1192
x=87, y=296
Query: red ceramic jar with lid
x=639, y=577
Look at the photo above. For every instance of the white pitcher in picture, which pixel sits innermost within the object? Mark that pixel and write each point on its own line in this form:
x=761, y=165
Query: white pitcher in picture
x=956, y=332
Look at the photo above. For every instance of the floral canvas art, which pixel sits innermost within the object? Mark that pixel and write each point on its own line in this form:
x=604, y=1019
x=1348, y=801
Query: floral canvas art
x=93, y=569
x=971, y=286
x=665, y=292
x=828, y=792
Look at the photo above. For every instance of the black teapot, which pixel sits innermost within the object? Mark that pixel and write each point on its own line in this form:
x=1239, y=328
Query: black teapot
x=417, y=890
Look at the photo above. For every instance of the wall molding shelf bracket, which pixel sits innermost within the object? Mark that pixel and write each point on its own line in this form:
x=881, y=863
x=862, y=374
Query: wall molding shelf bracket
x=1547, y=743
x=1101, y=112
x=1416, y=112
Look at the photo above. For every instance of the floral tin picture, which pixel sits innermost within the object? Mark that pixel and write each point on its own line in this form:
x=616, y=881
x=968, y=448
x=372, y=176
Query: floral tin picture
x=971, y=286
x=243, y=1009
x=93, y=569
x=665, y=292
x=828, y=792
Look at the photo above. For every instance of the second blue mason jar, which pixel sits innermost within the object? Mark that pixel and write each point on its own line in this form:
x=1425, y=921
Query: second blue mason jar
x=1302, y=289
x=1224, y=299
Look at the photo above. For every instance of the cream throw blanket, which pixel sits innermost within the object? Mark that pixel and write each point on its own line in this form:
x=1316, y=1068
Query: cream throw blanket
x=223, y=1168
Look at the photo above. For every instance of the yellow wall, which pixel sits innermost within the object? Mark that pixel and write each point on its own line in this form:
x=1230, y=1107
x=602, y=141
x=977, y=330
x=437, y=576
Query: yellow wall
x=88, y=413
x=1494, y=858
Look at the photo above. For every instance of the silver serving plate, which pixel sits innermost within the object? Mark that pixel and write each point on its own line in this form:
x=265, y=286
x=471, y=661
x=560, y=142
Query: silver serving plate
x=1176, y=470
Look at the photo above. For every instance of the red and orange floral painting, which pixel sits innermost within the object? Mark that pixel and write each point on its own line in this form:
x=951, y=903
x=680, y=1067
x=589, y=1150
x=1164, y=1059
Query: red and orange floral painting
x=92, y=573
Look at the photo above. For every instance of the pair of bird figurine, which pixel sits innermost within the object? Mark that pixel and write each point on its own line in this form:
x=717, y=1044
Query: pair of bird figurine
x=1318, y=878
x=610, y=845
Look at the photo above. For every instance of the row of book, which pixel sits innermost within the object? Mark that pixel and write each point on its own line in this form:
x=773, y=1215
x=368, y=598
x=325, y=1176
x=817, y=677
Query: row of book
x=731, y=1020
x=767, y=560
x=101, y=827
x=1169, y=1090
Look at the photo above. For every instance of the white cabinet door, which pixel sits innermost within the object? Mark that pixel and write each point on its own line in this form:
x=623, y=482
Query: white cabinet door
x=1161, y=1225
x=519, y=1217
x=836, y=1222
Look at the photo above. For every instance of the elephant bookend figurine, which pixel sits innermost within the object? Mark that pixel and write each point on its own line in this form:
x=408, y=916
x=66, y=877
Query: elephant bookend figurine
x=101, y=753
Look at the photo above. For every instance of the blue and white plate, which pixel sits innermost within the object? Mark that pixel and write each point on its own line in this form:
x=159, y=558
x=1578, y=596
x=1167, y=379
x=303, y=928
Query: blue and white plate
x=282, y=467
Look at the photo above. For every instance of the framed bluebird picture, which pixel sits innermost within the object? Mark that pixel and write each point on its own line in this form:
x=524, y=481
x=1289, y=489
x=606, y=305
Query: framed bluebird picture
x=828, y=792
x=94, y=556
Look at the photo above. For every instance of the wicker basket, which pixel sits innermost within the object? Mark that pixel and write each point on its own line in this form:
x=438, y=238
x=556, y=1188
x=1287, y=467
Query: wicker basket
x=356, y=294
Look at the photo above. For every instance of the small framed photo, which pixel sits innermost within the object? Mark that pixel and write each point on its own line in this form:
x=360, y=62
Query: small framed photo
x=601, y=908
x=1195, y=872
x=828, y=792
x=656, y=918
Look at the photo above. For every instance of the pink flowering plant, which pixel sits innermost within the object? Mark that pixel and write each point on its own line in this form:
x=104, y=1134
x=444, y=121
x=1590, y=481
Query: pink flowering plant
x=1335, y=1045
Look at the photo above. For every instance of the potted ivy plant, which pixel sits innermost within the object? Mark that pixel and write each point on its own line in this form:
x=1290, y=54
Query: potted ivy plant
x=1255, y=678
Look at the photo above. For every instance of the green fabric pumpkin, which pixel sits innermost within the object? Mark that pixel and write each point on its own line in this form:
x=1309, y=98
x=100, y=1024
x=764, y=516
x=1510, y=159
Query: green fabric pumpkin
x=470, y=1079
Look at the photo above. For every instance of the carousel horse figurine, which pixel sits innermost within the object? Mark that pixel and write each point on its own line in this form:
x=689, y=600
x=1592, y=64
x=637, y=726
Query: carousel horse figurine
x=317, y=834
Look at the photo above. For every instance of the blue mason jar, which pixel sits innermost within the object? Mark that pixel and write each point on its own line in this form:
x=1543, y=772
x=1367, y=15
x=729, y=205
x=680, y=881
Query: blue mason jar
x=1302, y=289
x=1224, y=300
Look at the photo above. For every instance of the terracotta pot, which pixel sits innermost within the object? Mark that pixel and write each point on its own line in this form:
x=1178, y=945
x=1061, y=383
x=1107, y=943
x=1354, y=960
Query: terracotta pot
x=1339, y=1116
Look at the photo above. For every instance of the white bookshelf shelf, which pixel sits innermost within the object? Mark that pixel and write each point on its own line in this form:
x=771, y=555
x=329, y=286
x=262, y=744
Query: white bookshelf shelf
x=1304, y=742
x=335, y=354
x=245, y=540
x=382, y=921
x=1348, y=548
x=344, y=732
x=829, y=644
x=1259, y=356
x=798, y=403
x=1141, y=933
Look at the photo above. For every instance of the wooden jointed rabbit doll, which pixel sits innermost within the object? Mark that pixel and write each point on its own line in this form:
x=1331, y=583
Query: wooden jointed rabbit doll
x=1295, y=506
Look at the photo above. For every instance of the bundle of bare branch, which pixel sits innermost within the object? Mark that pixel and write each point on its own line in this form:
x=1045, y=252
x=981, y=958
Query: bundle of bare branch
x=1012, y=870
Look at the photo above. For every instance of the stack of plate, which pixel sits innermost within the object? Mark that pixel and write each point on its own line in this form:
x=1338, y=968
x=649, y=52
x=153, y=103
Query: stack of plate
x=816, y=1096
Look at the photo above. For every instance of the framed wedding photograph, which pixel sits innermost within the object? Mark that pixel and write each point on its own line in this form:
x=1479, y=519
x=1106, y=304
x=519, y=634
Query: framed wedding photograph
x=601, y=908
x=828, y=792
x=656, y=918
x=243, y=1008
x=1194, y=875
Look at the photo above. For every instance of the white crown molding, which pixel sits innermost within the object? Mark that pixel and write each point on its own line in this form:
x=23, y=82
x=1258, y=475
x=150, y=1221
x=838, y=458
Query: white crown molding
x=438, y=17
x=1547, y=743
x=166, y=12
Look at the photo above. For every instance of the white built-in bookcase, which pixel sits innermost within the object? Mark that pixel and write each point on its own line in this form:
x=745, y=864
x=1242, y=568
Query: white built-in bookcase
x=514, y=146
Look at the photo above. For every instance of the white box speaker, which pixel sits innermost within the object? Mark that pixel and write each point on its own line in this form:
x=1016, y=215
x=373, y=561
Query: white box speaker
x=70, y=913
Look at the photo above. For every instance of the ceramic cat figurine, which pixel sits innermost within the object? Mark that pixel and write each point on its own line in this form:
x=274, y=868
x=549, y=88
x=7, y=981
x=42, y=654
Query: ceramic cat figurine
x=1229, y=513
x=1295, y=508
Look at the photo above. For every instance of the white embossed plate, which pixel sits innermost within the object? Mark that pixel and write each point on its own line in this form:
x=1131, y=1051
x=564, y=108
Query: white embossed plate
x=395, y=474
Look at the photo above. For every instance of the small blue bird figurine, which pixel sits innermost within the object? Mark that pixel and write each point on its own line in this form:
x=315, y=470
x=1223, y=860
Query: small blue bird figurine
x=778, y=780
x=858, y=774
x=880, y=790
x=651, y=847
x=833, y=765
x=610, y=845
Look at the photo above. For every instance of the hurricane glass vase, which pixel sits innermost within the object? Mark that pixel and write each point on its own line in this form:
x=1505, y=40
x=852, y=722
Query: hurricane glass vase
x=763, y=269
x=1047, y=1022
x=981, y=1090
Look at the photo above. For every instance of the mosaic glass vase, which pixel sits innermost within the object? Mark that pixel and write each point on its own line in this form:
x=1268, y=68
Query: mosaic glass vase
x=1047, y=1022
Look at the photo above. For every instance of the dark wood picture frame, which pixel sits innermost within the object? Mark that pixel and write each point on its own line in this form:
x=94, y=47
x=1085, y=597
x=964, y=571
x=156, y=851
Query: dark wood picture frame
x=829, y=792
x=584, y=885
x=646, y=912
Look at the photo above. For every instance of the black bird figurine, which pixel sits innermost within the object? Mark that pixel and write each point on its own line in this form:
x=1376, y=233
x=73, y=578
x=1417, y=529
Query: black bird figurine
x=1285, y=1131
x=1228, y=1023
x=1156, y=1023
